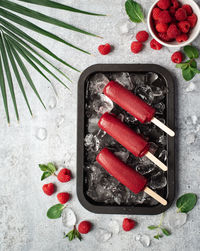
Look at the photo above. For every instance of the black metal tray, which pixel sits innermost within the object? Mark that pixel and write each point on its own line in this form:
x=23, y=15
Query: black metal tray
x=101, y=208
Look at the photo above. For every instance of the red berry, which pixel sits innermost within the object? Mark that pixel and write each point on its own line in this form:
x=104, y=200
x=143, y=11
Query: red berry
x=48, y=188
x=164, y=17
x=155, y=13
x=184, y=26
x=164, y=37
x=188, y=9
x=104, y=49
x=172, y=11
x=164, y=4
x=192, y=19
x=84, y=227
x=161, y=27
x=175, y=4
x=181, y=14
x=182, y=38
x=142, y=36
x=63, y=197
x=177, y=57
x=173, y=31
x=155, y=45
x=136, y=47
x=64, y=175
x=128, y=224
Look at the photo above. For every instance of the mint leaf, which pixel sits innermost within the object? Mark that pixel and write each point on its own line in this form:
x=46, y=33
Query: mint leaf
x=134, y=11
x=55, y=211
x=158, y=236
x=195, y=70
x=191, y=51
x=45, y=175
x=182, y=66
x=186, y=202
x=188, y=73
x=73, y=234
x=193, y=63
x=43, y=168
x=152, y=227
x=165, y=232
x=51, y=167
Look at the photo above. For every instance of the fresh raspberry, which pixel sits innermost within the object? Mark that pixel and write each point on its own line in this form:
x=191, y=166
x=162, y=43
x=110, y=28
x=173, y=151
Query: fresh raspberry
x=164, y=17
x=181, y=14
x=184, y=26
x=63, y=197
x=192, y=19
x=163, y=4
x=142, y=36
x=164, y=37
x=177, y=57
x=155, y=45
x=48, y=189
x=84, y=227
x=161, y=27
x=175, y=4
x=173, y=31
x=64, y=175
x=188, y=9
x=136, y=47
x=172, y=11
x=155, y=13
x=128, y=224
x=104, y=49
x=182, y=38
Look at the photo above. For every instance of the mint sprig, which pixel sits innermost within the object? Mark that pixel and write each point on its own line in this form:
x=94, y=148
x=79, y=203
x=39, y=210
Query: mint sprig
x=186, y=202
x=55, y=211
x=189, y=67
x=134, y=11
x=73, y=234
x=48, y=170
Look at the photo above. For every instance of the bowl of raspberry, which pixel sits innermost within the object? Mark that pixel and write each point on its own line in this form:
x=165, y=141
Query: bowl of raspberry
x=174, y=23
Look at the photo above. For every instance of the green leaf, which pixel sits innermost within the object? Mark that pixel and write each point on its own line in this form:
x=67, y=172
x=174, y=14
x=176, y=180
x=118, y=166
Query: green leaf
x=188, y=74
x=158, y=236
x=55, y=211
x=182, y=66
x=43, y=168
x=73, y=234
x=191, y=51
x=52, y=4
x=134, y=11
x=152, y=227
x=51, y=167
x=165, y=232
x=39, y=16
x=31, y=26
x=195, y=70
x=193, y=63
x=45, y=175
x=8, y=73
x=186, y=202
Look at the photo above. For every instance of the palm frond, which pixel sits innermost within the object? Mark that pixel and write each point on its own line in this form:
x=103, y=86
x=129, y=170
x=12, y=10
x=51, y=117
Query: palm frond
x=52, y=4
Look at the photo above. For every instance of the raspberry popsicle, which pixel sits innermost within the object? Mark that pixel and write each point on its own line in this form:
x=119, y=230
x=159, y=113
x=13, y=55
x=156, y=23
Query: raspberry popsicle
x=126, y=175
x=133, y=105
x=128, y=138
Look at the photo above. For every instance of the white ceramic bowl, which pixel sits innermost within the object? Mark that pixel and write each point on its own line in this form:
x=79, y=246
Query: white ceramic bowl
x=193, y=34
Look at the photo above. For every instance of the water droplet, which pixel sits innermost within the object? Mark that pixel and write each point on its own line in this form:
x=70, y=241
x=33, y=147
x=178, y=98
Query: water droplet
x=59, y=120
x=176, y=220
x=68, y=217
x=41, y=133
x=102, y=235
x=114, y=226
x=143, y=239
x=52, y=102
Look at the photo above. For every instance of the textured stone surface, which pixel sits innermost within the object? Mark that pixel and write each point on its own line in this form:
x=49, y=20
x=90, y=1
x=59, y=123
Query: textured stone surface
x=23, y=222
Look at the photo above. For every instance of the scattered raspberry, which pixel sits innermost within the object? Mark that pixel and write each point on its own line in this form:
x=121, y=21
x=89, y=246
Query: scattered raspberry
x=84, y=227
x=161, y=27
x=182, y=38
x=104, y=49
x=48, y=188
x=163, y=4
x=175, y=4
x=142, y=36
x=172, y=11
x=155, y=13
x=188, y=9
x=173, y=31
x=184, y=26
x=181, y=14
x=155, y=45
x=177, y=57
x=164, y=17
x=193, y=20
x=128, y=224
x=136, y=47
x=164, y=37
x=63, y=197
x=64, y=175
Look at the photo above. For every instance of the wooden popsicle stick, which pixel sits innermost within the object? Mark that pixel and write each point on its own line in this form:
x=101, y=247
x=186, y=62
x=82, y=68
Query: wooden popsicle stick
x=163, y=127
x=156, y=161
x=155, y=196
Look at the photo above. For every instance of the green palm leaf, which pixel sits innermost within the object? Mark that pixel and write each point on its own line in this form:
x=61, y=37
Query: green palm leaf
x=8, y=73
x=39, y=16
x=31, y=26
x=52, y=4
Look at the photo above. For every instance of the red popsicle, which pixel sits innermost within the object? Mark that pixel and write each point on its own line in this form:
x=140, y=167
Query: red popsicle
x=125, y=174
x=128, y=138
x=133, y=105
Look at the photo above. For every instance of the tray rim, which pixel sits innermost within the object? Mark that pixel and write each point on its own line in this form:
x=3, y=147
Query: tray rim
x=81, y=133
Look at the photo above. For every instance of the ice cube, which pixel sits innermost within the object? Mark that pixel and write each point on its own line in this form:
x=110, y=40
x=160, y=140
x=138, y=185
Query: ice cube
x=41, y=133
x=158, y=181
x=139, y=79
x=114, y=226
x=163, y=156
x=126, y=27
x=145, y=93
x=102, y=235
x=68, y=217
x=176, y=220
x=145, y=169
x=103, y=104
x=93, y=124
x=143, y=239
x=97, y=83
x=123, y=156
x=158, y=94
x=124, y=79
x=160, y=108
x=92, y=142
x=52, y=103
x=191, y=87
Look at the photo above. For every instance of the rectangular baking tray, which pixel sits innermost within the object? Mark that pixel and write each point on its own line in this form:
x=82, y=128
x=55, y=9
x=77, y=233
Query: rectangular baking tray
x=101, y=208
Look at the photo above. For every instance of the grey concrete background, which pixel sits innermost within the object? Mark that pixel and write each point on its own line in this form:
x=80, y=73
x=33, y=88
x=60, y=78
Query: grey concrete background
x=23, y=222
